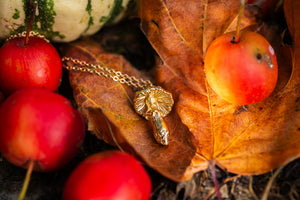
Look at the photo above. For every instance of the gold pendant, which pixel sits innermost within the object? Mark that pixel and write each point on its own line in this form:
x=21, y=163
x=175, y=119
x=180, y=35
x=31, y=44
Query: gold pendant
x=154, y=103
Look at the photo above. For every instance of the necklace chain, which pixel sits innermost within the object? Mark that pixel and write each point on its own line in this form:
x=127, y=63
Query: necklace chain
x=31, y=34
x=106, y=72
x=99, y=70
x=152, y=102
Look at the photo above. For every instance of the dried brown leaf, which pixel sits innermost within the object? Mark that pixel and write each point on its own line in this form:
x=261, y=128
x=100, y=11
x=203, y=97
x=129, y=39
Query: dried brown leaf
x=204, y=128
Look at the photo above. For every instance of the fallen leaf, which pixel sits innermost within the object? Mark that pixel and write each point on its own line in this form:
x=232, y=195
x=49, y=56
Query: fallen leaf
x=204, y=129
x=108, y=109
x=250, y=139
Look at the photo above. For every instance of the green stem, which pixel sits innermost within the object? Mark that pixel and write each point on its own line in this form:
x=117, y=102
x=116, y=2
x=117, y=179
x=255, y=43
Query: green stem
x=26, y=181
x=238, y=28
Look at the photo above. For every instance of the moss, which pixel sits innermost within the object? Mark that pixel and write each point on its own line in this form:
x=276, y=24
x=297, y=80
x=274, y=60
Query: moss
x=16, y=15
x=44, y=21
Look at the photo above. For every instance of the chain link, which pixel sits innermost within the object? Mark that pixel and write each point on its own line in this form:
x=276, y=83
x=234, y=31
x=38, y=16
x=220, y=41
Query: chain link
x=106, y=72
x=31, y=34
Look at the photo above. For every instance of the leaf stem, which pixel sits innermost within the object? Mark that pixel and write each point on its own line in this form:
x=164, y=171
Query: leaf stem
x=26, y=180
x=214, y=177
x=33, y=7
x=238, y=26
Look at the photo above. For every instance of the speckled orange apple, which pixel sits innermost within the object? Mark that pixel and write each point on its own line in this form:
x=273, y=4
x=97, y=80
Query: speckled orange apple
x=241, y=72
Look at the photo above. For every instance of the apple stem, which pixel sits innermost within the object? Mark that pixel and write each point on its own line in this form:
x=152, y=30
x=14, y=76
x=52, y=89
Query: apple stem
x=26, y=181
x=33, y=7
x=238, y=27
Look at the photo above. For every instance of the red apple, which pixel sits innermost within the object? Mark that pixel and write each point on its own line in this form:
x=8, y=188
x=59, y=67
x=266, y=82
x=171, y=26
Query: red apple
x=37, y=124
x=241, y=72
x=36, y=64
x=1, y=97
x=108, y=175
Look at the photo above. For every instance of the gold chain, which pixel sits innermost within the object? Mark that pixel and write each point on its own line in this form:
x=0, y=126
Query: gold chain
x=152, y=102
x=106, y=72
x=31, y=34
x=100, y=70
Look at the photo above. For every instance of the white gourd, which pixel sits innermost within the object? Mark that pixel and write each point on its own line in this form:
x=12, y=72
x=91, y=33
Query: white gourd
x=65, y=20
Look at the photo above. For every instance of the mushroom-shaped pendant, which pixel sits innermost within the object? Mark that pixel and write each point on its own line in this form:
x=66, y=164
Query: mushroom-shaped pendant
x=154, y=103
